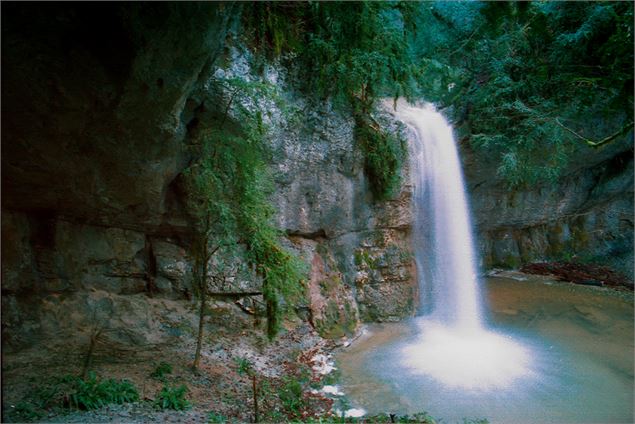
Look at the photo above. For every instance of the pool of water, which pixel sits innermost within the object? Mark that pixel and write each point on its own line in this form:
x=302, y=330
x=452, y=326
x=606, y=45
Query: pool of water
x=575, y=344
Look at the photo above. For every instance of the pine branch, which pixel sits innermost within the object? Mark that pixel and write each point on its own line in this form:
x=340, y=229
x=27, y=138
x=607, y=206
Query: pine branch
x=602, y=142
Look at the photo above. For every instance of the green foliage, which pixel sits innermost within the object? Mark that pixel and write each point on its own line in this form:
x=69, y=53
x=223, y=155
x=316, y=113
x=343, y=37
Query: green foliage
x=28, y=410
x=41, y=398
x=230, y=185
x=76, y=393
x=94, y=393
x=384, y=155
x=161, y=370
x=244, y=366
x=347, y=50
x=530, y=83
x=290, y=394
x=172, y=398
x=216, y=418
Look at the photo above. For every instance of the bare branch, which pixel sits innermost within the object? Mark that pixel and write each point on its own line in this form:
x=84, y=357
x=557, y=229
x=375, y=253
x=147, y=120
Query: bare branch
x=602, y=142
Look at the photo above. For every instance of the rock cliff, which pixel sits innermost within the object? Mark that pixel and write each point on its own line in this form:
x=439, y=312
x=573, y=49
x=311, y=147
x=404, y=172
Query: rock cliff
x=586, y=215
x=101, y=109
x=102, y=106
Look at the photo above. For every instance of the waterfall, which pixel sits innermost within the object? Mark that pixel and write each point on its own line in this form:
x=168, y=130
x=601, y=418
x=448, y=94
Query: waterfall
x=444, y=249
x=453, y=347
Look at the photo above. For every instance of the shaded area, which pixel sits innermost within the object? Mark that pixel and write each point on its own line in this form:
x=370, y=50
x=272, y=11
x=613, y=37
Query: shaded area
x=586, y=274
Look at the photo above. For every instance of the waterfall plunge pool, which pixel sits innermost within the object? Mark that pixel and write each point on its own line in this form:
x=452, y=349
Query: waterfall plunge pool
x=570, y=360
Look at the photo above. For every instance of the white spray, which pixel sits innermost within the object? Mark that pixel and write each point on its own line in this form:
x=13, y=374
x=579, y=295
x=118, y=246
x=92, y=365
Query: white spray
x=454, y=347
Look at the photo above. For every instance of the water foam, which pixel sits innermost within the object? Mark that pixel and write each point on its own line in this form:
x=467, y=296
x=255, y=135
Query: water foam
x=466, y=359
x=454, y=347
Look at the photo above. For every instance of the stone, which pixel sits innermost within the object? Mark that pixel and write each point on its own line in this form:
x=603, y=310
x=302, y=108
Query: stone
x=386, y=278
x=173, y=268
x=332, y=305
x=586, y=213
x=18, y=261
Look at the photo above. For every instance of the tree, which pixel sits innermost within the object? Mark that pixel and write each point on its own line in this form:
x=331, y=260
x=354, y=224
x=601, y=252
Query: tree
x=228, y=187
x=529, y=82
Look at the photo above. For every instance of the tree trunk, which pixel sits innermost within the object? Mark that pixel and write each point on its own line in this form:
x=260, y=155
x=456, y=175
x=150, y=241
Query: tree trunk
x=201, y=282
x=88, y=360
x=201, y=321
x=254, y=388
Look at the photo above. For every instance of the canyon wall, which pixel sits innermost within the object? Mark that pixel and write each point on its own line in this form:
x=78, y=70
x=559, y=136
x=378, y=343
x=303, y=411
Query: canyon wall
x=102, y=110
x=102, y=107
x=586, y=215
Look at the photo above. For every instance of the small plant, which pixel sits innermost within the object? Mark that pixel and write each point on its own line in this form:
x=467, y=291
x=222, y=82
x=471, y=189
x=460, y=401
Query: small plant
x=216, y=418
x=93, y=393
x=28, y=411
x=244, y=366
x=419, y=418
x=173, y=398
x=161, y=370
x=290, y=394
x=72, y=392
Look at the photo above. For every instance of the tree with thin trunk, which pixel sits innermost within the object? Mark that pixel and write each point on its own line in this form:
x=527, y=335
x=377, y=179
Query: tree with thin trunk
x=227, y=189
x=203, y=254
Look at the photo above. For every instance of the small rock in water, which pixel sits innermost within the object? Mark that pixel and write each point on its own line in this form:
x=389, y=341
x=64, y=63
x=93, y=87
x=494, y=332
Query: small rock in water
x=354, y=413
x=332, y=390
x=592, y=283
x=321, y=364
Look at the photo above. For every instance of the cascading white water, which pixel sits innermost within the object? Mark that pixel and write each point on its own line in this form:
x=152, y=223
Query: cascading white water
x=454, y=347
x=442, y=230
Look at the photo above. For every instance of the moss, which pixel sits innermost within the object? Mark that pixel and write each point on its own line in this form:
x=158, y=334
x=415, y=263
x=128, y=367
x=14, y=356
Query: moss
x=554, y=236
x=330, y=284
x=406, y=255
x=363, y=259
x=383, y=153
x=580, y=238
x=337, y=323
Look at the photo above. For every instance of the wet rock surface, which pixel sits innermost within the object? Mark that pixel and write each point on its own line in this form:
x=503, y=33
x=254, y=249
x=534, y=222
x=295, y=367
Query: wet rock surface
x=587, y=215
x=588, y=275
x=102, y=110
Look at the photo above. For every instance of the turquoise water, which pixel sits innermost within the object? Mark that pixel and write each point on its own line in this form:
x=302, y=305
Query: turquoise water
x=578, y=346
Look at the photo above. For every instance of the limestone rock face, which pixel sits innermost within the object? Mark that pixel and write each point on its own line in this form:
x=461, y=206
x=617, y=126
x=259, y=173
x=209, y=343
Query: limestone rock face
x=386, y=277
x=95, y=106
x=97, y=112
x=102, y=106
x=332, y=306
x=587, y=214
x=323, y=196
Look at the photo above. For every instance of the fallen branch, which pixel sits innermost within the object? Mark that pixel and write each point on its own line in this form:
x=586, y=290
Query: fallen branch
x=602, y=142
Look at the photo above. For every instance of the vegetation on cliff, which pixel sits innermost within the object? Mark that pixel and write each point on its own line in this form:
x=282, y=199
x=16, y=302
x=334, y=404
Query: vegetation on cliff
x=530, y=82
x=353, y=53
x=229, y=187
x=526, y=82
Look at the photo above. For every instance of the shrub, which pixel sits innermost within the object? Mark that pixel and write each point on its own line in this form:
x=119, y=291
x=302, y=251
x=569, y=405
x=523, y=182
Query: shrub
x=161, y=370
x=384, y=154
x=173, y=398
x=94, y=393
x=28, y=410
x=290, y=394
x=216, y=418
